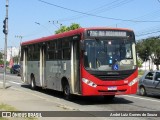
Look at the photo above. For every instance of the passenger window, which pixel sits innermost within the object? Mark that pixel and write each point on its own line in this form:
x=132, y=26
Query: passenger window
x=157, y=75
x=149, y=76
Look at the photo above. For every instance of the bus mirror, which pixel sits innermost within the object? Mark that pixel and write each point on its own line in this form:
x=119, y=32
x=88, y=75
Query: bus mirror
x=82, y=45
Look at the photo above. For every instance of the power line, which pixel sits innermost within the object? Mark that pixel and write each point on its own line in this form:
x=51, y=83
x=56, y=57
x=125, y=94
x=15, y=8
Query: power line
x=100, y=9
x=149, y=29
x=56, y=22
x=150, y=15
x=80, y=16
x=43, y=27
x=112, y=6
x=117, y=19
x=147, y=33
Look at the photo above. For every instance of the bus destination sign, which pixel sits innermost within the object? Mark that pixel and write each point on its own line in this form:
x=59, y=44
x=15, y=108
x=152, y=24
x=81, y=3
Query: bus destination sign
x=103, y=33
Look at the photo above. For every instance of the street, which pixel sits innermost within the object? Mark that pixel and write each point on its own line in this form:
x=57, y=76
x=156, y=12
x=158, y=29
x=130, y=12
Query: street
x=48, y=98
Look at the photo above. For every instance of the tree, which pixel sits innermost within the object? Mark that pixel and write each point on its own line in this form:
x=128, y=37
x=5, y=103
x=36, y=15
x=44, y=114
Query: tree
x=1, y=62
x=149, y=49
x=1, y=58
x=62, y=29
x=141, y=50
x=74, y=26
x=139, y=63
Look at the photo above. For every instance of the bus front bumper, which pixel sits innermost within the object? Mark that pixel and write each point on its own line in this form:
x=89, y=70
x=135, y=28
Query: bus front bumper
x=108, y=90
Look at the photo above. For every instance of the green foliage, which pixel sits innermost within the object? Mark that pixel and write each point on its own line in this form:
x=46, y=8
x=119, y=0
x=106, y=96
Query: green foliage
x=139, y=63
x=149, y=48
x=62, y=29
x=1, y=62
x=1, y=56
x=74, y=26
x=141, y=72
x=7, y=107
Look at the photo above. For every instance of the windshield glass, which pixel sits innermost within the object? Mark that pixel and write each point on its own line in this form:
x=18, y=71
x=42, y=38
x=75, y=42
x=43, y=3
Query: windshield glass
x=114, y=54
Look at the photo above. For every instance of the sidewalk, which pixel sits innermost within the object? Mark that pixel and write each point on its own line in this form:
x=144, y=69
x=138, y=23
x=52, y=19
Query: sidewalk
x=20, y=100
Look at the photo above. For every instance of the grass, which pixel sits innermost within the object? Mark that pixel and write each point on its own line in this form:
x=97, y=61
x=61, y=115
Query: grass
x=141, y=72
x=3, y=118
x=5, y=107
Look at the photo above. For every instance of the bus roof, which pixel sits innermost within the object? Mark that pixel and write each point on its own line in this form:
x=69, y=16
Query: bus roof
x=69, y=33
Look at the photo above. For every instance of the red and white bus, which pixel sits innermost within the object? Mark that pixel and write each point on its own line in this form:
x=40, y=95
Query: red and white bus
x=85, y=61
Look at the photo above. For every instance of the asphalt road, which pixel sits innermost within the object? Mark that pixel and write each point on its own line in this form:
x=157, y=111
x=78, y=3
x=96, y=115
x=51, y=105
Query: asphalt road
x=120, y=103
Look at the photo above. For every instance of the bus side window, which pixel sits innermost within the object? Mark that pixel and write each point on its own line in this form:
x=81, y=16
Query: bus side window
x=51, y=50
x=36, y=52
x=59, y=49
x=66, y=49
x=29, y=53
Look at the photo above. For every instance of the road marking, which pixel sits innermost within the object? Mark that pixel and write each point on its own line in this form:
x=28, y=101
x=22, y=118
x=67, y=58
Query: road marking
x=142, y=98
x=15, y=82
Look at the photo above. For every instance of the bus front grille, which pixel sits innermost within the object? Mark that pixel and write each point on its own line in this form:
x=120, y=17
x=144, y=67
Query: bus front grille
x=112, y=75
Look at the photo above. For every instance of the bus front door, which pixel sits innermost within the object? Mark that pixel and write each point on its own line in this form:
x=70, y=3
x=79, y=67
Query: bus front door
x=76, y=67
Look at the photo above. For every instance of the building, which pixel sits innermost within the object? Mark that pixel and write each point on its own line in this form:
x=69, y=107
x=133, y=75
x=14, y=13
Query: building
x=148, y=65
x=12, y=52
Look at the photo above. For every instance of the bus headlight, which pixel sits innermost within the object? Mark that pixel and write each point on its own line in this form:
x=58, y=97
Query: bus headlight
x=88, y=82
x=133, y=82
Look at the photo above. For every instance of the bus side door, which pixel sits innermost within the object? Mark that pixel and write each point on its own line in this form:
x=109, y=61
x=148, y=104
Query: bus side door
x=42, y=69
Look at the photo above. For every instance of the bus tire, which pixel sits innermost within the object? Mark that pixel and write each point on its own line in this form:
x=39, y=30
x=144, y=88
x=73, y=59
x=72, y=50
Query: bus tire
x=109, y=97
x=33, y=83
x=66, y=91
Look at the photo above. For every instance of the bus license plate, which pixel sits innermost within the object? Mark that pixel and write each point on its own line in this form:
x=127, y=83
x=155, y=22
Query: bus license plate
x=112, y=88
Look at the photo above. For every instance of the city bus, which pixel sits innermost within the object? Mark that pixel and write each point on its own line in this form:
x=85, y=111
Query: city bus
x=86, y=61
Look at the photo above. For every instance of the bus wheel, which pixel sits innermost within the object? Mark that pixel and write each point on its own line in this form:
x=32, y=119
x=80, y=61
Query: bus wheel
x=66, y=91
x=109, y=97
x=33, y=83
x=142, y=91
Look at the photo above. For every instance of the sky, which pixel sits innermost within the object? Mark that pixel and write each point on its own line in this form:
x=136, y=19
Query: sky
x=33, y=19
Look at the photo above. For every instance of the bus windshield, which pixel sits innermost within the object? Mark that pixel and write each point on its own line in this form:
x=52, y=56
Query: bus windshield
x=105, y=54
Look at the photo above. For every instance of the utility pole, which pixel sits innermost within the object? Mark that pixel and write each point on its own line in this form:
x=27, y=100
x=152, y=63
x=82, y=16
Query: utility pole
x=5, y=31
